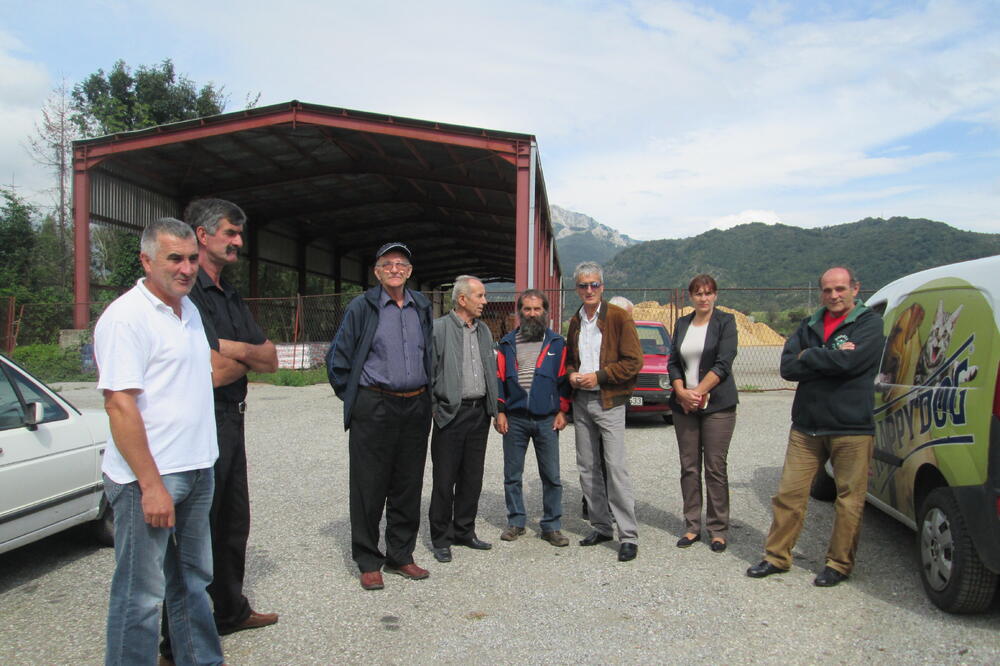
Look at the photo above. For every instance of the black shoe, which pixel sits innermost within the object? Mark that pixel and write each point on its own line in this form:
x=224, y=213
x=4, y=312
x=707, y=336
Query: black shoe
x=684, y=541
x=717, y=546
x=594, y=538
x=829, y=577
x=442, y=554
x=764, y=569
x=474, y=543
x=627, y=552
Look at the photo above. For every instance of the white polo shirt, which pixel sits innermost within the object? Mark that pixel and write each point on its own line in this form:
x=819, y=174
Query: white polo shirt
x=139, y=343
x=590, y=344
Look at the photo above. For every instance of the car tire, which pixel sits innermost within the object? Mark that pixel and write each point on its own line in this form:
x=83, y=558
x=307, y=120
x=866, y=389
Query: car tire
x=104, y=526
x=668, y=419
x=954, y=577
x=823, y=488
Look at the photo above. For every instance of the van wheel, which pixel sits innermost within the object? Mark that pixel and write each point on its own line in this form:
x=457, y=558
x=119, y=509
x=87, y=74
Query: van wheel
x=104, y=526
x=954, y=577
x=668, y=419
x=823, y=488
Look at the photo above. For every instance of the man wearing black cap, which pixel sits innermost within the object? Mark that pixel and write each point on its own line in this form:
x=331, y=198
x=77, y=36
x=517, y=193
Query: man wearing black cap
x=379, y=364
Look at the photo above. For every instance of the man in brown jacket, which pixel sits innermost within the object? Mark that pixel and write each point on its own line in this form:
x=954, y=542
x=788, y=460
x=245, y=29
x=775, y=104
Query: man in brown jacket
x=603, y=361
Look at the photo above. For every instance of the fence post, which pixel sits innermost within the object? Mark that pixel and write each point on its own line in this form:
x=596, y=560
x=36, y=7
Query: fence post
x=8, y=328
x=295, y=332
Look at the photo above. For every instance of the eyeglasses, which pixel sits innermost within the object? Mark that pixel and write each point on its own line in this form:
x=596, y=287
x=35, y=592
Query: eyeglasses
x=395, y=265
x=583, y=286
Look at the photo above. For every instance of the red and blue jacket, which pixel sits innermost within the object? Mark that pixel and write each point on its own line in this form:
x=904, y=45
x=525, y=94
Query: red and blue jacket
x=550, y=385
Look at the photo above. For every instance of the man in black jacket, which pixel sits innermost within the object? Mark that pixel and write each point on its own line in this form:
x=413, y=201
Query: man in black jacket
x=833, y=356
x=379, y=364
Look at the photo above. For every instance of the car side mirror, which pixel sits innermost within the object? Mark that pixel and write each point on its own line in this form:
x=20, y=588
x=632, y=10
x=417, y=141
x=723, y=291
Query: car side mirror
x=34, y=414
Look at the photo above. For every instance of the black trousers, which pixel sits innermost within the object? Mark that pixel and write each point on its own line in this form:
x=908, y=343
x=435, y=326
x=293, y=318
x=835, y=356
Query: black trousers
x=230, y=520
x=388, y=448
x=230, y=523
x=458, y=452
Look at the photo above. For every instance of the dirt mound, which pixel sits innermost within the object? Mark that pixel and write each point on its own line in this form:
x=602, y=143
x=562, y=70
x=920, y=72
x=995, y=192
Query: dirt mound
x=751, y=333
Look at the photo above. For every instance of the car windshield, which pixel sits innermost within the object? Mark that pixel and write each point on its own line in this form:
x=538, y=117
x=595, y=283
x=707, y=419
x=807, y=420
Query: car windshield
x=654, y=339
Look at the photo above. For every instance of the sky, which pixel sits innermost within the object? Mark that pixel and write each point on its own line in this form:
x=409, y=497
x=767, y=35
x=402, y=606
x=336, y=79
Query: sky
x=660, y=119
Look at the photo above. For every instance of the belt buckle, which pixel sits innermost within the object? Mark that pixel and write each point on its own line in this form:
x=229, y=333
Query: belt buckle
x=241, y=407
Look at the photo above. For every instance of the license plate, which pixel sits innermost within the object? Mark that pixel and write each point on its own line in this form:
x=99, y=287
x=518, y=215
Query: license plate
x=635, y=401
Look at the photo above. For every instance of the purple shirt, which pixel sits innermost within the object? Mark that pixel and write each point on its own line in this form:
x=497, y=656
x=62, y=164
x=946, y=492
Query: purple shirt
x=396, y=359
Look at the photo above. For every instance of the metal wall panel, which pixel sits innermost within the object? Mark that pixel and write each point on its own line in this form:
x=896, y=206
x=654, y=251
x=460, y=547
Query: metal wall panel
x=125, y=204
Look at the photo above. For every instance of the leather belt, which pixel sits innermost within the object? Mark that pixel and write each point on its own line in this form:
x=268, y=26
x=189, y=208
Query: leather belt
x=473, y=402
x=397, y=394
x=238, y=407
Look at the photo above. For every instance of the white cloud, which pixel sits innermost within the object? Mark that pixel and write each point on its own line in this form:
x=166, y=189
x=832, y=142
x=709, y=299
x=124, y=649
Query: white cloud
x=24, y=85
x=657, y=118
x=746, y=217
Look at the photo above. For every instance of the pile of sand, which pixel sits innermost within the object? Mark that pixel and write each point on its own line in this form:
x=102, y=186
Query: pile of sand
x=751, y=334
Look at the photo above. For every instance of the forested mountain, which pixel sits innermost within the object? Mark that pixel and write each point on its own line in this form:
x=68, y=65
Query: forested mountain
x=761, y=255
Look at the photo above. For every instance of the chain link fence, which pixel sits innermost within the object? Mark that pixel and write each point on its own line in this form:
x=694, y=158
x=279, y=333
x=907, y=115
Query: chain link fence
x=303, y=326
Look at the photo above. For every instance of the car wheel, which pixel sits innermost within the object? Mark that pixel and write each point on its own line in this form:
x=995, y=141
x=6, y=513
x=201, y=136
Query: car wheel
x=668, y=419
x=954, y=577
x=824, y=487
x=104, y=526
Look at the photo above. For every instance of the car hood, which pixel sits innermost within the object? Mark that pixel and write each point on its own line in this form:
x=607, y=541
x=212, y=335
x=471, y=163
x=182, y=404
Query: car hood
x=655, y=363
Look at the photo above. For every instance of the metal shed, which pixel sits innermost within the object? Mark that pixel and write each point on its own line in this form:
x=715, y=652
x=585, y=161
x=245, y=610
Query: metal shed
x=323, y=187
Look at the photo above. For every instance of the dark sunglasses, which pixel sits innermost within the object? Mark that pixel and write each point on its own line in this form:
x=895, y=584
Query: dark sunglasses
x=585, y=285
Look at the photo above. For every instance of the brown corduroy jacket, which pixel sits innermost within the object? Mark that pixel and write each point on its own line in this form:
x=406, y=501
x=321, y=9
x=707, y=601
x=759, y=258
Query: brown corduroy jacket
x=621, y=353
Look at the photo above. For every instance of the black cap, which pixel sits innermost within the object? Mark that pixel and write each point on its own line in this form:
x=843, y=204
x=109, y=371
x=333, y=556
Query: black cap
x=388, y=247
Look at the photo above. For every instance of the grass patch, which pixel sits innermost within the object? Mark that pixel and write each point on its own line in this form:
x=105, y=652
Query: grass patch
x=749, y=388
x=286, y=377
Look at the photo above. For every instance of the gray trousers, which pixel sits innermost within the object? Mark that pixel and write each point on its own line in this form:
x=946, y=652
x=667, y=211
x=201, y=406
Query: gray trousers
x=705, y=437
x=593, y=425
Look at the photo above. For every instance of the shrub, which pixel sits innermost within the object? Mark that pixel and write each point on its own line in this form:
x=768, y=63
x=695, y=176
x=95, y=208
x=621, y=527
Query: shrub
x=52, y=363
x=286, y=377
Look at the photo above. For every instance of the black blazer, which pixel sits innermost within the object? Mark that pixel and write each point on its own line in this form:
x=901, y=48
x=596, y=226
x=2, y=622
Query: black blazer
x=718, y=356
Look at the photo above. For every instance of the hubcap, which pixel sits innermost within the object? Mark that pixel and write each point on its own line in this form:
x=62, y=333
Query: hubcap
x=937, y=549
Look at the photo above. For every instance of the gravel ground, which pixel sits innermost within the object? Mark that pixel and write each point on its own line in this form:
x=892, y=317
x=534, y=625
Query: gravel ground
x=525, y=601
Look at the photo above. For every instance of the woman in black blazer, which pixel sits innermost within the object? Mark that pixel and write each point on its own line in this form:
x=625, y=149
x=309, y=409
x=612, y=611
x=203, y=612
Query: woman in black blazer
x=704, y=404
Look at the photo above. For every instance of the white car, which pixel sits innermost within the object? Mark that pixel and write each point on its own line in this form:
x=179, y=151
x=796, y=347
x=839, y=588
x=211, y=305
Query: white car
x=50, y=462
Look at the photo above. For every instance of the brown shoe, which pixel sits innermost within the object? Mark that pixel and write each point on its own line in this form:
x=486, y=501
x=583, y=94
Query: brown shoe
x=556, y=538
x=254, y=621
x=411, y=571
x=511, y=532
x=372, y=580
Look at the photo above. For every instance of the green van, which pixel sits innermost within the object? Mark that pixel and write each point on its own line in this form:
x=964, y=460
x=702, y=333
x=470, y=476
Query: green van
x=936, y=465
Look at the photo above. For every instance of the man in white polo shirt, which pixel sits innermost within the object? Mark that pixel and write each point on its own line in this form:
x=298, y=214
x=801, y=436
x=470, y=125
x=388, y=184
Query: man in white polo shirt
x=155, y=370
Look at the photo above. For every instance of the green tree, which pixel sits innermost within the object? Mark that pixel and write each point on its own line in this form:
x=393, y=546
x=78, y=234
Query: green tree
x=121, y=101
x=115, y=259
x=17, y=240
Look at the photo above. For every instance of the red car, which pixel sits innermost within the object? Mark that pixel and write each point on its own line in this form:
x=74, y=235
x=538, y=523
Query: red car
x=652, y=390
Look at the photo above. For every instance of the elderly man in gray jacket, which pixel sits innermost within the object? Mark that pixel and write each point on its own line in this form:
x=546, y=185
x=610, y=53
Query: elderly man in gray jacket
x=463, y=400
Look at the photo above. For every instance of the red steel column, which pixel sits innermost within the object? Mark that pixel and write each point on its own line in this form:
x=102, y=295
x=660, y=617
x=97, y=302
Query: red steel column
x=521, y=217
x=81, y=242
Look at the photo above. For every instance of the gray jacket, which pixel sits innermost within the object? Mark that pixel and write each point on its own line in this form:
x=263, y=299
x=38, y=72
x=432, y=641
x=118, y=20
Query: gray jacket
x=446, y=392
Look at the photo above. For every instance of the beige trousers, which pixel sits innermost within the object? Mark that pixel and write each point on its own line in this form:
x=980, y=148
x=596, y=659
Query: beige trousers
x=850, y=456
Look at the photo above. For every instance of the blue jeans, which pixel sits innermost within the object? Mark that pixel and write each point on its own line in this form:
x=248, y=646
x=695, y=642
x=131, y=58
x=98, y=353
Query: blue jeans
x=153, y=563
x=521, y=428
